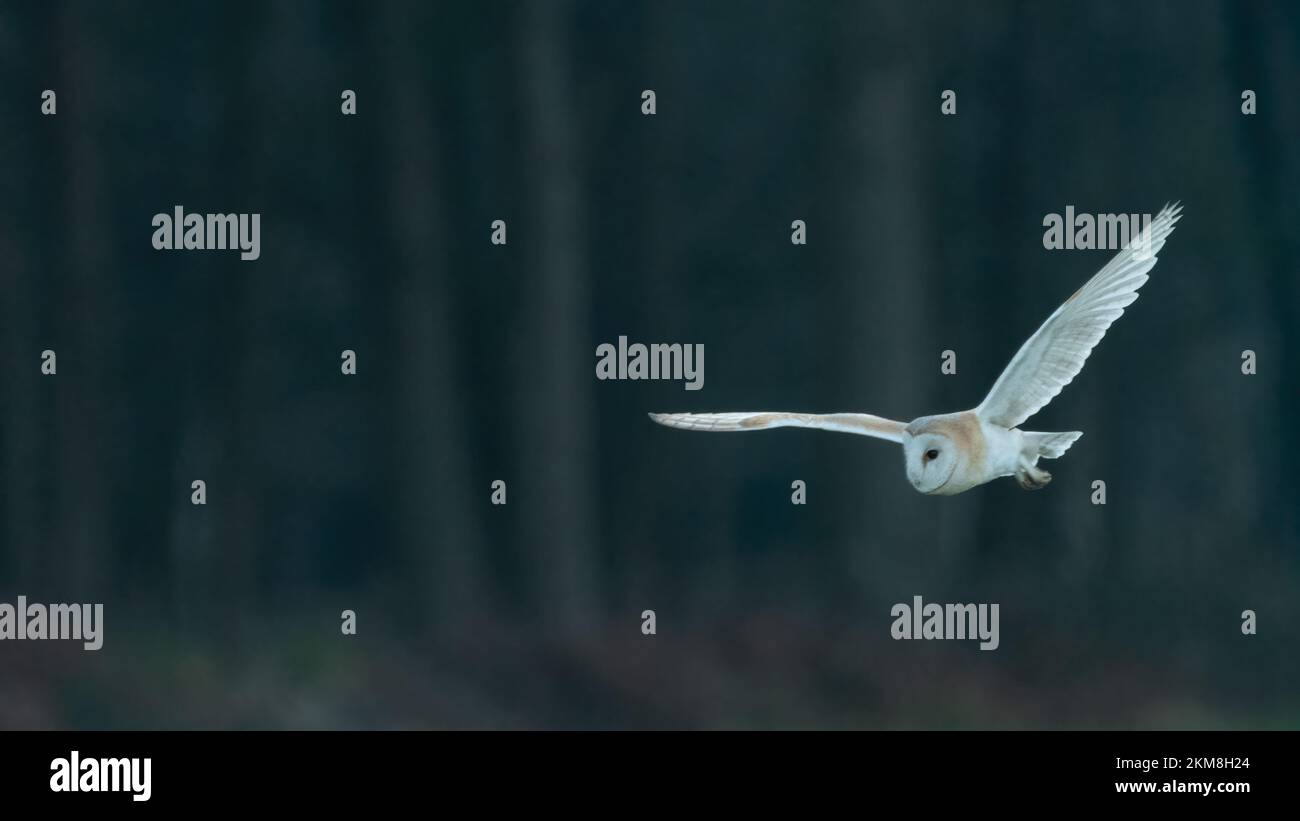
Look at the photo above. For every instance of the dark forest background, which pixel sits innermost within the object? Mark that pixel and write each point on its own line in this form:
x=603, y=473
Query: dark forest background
x=476, y=362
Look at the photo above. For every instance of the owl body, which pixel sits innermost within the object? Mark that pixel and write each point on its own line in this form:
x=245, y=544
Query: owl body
x=954, y=452
x=950, y=453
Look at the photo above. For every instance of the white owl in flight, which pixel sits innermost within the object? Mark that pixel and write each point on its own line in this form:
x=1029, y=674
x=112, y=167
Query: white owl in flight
x=954, y=452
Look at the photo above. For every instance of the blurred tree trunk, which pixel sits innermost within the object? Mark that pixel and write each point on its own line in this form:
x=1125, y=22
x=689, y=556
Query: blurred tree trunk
x=1264, y=55
x=885, y=346
x=20, y=545
x=556, y=428
x=22, y=333
x=214, y=558
x=435, y=499
x=87, y=326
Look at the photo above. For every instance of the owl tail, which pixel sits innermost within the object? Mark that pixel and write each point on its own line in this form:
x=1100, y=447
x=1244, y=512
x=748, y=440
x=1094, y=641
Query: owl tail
x=1051, y=445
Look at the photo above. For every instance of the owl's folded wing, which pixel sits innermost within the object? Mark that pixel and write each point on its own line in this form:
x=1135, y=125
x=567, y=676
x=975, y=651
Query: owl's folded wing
x=860, y=423
x=1055, y=354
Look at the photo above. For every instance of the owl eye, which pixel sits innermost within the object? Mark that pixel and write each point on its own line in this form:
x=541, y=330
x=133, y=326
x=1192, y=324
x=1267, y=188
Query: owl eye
x=932, y=454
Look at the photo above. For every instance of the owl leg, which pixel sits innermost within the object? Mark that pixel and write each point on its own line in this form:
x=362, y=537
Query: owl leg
x=1032, y=477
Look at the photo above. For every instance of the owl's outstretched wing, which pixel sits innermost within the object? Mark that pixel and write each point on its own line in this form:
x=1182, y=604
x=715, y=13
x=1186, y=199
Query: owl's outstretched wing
x=1055, y=354
x=863, y=424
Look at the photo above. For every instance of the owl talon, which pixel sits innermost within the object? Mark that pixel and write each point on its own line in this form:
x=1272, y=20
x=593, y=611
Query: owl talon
x=1033, y=478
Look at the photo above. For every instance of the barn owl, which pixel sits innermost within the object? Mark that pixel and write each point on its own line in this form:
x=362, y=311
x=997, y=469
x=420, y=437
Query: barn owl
x=950, y=453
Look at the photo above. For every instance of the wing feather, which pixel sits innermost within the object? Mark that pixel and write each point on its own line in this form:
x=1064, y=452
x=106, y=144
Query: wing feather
x=863, y=424
x=1051, y=358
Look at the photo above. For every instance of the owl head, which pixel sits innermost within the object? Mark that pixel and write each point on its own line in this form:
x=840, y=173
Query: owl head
x=931, y=457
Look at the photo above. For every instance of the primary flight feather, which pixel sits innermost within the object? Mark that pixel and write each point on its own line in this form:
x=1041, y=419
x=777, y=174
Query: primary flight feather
x=953, y=452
